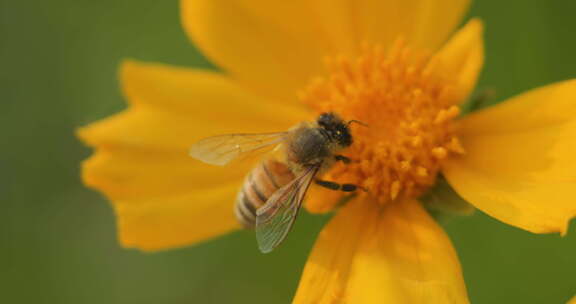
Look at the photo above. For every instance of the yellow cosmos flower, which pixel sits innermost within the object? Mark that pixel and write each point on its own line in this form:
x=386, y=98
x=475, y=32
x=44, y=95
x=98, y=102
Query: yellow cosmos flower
x=395, y=65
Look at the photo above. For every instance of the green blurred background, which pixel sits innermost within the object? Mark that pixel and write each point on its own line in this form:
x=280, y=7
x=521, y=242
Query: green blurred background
x=58, y=62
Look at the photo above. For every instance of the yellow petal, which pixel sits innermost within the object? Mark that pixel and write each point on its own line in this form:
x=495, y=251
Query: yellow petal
x=322, y=200
x=393, y=255
x=275, y=47
x=424, y=23
x=163, y=198
x=167, y=222
x=462, y=58
x=141, y=173
x=208, y=96
x=143, y=152
x=519, y=165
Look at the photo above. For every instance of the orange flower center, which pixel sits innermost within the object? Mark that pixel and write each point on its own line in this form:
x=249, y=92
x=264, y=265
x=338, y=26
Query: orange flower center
x=409, y=110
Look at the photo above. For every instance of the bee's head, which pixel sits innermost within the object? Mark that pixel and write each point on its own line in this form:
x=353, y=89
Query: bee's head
x=336, y=129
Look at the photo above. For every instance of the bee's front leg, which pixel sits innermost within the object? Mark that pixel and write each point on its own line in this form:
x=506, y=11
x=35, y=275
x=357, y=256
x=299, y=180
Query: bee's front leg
x=338, y=187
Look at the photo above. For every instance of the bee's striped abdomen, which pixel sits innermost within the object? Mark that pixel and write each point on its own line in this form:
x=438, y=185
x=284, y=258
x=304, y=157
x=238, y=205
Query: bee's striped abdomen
x=265, y=179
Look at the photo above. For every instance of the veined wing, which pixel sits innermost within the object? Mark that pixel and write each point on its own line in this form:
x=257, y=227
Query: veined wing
x=275, y=219
x=220, y=150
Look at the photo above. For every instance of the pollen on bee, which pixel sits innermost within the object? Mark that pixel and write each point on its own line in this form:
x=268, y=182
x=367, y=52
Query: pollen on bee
x=406, y=102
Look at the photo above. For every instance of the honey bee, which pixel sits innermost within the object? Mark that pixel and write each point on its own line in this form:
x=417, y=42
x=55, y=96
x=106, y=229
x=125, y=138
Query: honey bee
x=273, y=191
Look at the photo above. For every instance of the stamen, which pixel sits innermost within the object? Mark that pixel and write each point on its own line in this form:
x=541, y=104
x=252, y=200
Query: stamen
x=410, y=112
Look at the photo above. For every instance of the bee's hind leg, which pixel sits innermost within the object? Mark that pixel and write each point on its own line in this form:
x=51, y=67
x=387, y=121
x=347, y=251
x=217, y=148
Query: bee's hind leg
x=338, y=187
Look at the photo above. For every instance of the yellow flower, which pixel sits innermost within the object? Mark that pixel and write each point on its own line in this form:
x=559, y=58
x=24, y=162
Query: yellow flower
x=391, y=64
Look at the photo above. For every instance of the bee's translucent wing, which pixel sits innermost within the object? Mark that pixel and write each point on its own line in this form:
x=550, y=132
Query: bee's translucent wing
x=220, y=150
x=275, y=219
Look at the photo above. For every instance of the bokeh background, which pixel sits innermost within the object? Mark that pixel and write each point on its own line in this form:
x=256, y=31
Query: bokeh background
x=58, y=62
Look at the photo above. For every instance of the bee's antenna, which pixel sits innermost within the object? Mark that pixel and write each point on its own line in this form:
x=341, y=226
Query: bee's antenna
x=358, y=122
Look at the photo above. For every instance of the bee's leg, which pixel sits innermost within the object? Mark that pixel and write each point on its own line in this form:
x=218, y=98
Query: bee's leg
x=342, y=158
x=338, y=187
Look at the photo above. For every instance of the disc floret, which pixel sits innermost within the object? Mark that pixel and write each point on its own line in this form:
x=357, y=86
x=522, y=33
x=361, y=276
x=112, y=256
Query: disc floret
x=410, y=111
